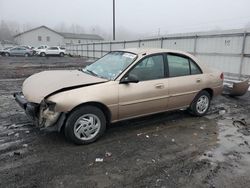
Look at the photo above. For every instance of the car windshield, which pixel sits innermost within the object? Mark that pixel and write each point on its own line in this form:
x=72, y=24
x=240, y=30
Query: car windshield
x=110, y=65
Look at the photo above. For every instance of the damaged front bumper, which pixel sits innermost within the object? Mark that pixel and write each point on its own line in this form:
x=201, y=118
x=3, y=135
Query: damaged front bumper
x=43, y=114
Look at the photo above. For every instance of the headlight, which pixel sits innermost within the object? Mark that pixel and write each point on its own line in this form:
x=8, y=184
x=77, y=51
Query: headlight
x=50, y=105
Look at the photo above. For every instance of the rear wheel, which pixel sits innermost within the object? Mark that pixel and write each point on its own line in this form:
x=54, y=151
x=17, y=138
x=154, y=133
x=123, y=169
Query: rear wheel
x=85, y=125
x=200, y=104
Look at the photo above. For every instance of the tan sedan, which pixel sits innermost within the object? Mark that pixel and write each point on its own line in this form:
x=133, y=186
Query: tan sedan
x=121, y=85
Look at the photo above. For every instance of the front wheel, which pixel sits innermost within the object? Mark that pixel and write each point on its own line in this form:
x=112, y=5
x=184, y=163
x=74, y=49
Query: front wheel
x=61, y=54
x=200, y=104
x=26, y=55
x=85, y=125
x=7, y=54
x=42, y=54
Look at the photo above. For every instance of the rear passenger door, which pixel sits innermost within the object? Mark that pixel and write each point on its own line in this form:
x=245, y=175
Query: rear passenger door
x=185, y=80
x=21, y=51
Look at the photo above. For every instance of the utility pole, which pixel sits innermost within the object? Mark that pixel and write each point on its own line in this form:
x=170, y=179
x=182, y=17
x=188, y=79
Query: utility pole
x=113, y=19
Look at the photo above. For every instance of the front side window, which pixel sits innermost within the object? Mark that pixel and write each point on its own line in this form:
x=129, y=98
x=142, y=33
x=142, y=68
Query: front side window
x=111, y=65
x=150, y=68
x=14, y=49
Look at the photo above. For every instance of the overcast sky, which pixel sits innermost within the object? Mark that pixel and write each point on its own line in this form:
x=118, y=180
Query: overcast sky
x=147, y=17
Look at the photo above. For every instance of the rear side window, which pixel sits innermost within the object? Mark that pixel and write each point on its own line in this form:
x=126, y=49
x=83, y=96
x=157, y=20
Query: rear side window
x=53, y=48
x=194, y=68
x=181, y=66
x=178, y=66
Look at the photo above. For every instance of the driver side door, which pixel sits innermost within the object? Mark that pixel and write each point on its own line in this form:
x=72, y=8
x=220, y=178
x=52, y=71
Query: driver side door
x=14, y=51
x=150, y=94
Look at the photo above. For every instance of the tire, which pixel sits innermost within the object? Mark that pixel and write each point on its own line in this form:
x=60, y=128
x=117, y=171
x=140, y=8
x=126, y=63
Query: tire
x=79, y=128
x=42, y=54
x=61, y=54
x=26, y=55
x=7, y=54
x=200, y=104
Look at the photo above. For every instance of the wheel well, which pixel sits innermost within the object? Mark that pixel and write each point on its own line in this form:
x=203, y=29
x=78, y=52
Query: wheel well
x=99, y=105
x=210, y=91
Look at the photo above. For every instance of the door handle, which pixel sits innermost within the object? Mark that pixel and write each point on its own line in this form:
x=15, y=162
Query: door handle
x=159, y=86
x=198, y=80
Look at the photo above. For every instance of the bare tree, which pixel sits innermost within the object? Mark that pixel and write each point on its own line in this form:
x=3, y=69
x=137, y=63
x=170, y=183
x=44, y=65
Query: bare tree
x=5, y=33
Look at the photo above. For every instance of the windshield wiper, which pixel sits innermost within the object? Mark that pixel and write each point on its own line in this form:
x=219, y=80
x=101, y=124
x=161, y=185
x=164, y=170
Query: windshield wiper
x=93, y=73
x=90, y=71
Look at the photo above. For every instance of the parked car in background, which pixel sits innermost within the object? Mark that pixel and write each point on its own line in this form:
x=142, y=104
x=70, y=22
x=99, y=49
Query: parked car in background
x=19, y=51
x=121, y=85
x=52, y=51
x=26, y=46
x=2, y=52
x=37, y=50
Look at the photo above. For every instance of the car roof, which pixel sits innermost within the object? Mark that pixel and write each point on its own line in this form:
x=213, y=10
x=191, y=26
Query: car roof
x=148, y=51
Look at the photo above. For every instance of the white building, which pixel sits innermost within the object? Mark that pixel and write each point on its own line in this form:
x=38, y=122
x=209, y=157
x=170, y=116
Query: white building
x=45, y=36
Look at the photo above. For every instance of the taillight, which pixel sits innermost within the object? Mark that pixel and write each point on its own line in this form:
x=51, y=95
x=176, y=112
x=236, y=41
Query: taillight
x=222, y=76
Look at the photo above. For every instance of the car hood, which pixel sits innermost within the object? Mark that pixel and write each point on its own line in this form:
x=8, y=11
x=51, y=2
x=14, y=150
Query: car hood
x=38, y=86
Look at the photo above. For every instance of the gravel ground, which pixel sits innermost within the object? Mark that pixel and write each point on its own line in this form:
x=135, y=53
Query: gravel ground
x=171, y=149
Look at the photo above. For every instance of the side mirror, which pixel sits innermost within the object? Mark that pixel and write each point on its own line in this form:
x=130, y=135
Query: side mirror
x=131, y=78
